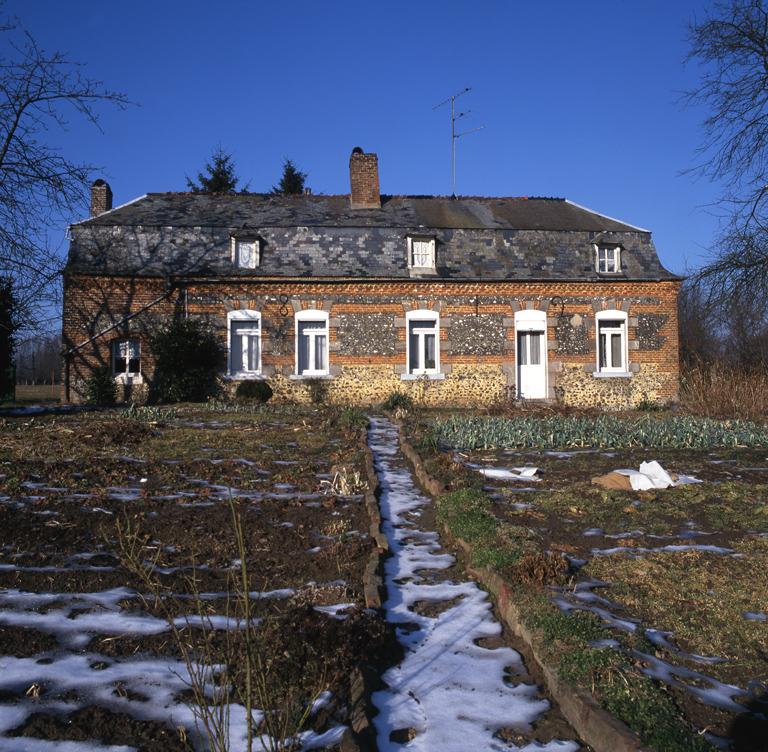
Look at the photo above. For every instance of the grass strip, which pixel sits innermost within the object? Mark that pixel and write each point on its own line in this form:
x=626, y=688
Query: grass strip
x=563, y=639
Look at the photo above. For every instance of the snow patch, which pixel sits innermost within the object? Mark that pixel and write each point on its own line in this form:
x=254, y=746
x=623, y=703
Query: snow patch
x=455, y=694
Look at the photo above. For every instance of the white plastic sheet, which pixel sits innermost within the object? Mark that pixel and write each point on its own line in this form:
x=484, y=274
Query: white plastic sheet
x=652, y=475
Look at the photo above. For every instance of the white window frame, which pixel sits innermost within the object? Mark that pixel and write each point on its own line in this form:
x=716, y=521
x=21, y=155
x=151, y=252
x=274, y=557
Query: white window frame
x=612, y=369
x=421, y=239
x=235, y=250
x=609, y=250
x=420, y=315
x=243, y=315
x=312, y=315
x=126, y=376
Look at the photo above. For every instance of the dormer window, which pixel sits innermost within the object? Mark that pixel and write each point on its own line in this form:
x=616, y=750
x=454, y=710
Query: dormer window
x=245, y=252
x=608, y=259
x=421, y=252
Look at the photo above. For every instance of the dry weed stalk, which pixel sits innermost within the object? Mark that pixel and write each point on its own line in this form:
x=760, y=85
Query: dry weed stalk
x=724, y=391
x=345, y=482
x=210, y=679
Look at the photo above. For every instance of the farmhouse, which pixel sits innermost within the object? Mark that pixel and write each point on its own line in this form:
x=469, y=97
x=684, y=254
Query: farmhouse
x=467, y=300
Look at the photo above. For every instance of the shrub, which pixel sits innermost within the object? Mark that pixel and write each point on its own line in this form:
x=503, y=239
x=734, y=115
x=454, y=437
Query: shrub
x=254, y=391
x=352, y=417
x=724, y=391
x=398, y=401
x=188, y=359
x=100, y=387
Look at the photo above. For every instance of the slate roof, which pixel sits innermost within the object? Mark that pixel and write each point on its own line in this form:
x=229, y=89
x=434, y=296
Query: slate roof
x=258, y=209
x=322, y=236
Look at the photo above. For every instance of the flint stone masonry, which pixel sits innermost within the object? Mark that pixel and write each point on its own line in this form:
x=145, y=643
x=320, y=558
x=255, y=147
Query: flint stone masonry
x=580, y=389
x=649, y=326
x=573, y=340
x=367, y=334
x=477, y=334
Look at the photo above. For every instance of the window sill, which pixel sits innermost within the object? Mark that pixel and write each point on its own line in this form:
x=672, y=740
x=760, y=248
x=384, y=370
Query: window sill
x=420, y=376
x=122, y=378
x=310, y=376
x=612, y=374
x=244, y=376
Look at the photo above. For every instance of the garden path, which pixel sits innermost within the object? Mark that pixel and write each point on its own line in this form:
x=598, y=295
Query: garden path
x=459, y=686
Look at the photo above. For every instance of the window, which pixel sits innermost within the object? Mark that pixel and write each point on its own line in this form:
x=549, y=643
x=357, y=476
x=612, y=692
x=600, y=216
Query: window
x=612, y=342
x=529, y=348
x=423, y=345
x=312, y=343
x=244, y=343
x=126, y=357
x=245, y=252
x=608, y=259
x=421, y=252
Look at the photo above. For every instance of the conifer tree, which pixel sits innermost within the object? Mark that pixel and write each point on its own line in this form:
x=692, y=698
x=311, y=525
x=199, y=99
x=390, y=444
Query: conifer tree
x=292, y=181
x=218, y=176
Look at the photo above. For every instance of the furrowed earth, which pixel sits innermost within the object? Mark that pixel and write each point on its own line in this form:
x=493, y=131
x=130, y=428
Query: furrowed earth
x=79, y=492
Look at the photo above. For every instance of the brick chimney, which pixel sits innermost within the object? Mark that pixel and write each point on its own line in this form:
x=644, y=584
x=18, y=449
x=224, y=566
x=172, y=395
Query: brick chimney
x=364, y=180
x=101, y=197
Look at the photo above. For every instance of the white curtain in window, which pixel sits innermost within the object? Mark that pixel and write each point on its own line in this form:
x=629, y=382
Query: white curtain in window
x=422, y=252
x=607, y=260
x=312, y=347
x=246, y=254
x=244, y=346
x=611, y=344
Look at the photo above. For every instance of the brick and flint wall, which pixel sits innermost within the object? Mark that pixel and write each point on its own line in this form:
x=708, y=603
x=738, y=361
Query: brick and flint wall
x=367, y=332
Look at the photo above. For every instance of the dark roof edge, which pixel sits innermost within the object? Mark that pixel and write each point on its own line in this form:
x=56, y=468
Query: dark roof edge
x=369, y=280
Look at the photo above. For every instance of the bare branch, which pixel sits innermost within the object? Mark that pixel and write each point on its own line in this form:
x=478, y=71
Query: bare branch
x=40, y=187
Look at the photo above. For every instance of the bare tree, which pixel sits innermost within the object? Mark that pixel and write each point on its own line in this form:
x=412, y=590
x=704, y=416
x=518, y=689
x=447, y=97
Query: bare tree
x=699, y=330
x=40, y=188
x=731, y=46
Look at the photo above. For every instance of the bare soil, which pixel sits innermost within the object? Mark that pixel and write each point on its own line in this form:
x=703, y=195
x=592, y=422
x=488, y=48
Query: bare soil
x=67, y=483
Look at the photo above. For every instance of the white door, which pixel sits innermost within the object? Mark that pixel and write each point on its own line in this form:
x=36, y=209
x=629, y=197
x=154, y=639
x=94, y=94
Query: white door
x=531, y=364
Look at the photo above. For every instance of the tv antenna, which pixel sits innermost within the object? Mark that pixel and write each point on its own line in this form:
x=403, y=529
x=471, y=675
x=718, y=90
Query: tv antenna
x=456, y=136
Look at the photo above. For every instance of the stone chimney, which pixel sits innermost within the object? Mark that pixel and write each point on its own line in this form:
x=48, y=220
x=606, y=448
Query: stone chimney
x=101, y=197
x=364, y=180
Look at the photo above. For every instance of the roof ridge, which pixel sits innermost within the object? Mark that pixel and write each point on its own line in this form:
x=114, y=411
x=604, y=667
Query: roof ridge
x=297, y=196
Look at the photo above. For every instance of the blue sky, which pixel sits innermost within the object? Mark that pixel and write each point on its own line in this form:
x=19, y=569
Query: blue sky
x=580, y=100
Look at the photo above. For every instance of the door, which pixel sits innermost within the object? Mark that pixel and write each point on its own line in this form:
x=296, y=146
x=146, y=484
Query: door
x=531, y=374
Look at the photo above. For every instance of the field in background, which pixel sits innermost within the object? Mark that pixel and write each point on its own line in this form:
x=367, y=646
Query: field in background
x=38, y=392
